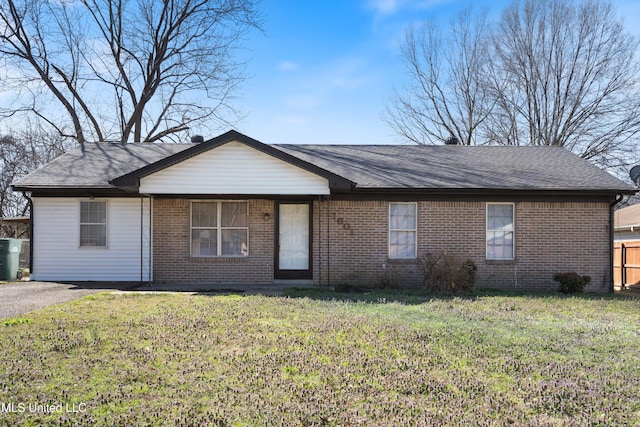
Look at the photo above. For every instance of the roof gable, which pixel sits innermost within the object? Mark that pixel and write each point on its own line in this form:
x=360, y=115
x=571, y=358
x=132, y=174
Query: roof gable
x=234, y=168
x=132, y=179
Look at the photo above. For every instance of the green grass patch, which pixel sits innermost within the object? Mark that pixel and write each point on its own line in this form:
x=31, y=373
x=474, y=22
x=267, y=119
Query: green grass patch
x=16, y=321
x=320, y=358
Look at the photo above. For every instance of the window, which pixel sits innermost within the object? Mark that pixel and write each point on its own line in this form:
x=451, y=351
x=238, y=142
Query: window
x=500, y=219
x=402, y=230
x=93, y=224
x=219, y=229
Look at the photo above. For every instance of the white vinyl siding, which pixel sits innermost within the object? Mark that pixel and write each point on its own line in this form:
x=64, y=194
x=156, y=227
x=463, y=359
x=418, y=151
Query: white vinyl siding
x=58, y=255
x=500, y=231
x=403, y=231
x=234, y=168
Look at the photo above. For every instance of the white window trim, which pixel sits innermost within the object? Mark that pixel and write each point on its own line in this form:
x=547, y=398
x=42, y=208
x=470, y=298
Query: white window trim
x=513, y=230
x=218, y=227
x=414, y=230
x=80, y=224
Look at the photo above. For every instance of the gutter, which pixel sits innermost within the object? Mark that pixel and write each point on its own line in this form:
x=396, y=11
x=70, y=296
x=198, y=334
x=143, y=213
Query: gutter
x=631, y=228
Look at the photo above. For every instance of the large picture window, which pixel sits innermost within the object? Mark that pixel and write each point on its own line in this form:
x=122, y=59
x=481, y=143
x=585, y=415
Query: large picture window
x=219, y=228
x=500, y=230
x=93, y=224
x=402, y=230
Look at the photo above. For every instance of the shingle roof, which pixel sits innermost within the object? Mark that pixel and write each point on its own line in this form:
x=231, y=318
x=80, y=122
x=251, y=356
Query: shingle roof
x=94, y=165
x=371, y=167
x=458, y=167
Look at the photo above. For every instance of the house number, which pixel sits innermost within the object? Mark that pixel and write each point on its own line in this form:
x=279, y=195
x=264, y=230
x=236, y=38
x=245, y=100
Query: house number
x=340, y=221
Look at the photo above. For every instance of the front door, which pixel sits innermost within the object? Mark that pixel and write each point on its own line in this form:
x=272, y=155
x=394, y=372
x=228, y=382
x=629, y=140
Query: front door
x=293, y=241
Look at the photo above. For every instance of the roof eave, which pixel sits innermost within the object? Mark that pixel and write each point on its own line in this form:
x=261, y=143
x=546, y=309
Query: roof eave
x=28, y=187
x=490, y=191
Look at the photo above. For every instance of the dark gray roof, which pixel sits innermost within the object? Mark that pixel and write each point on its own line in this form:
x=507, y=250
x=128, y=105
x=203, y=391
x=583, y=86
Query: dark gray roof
x=458, y=167
x=96, y=164
x=371, y=167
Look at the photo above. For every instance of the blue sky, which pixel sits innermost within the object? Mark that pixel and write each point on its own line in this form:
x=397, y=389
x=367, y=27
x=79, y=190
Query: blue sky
x=324, y=69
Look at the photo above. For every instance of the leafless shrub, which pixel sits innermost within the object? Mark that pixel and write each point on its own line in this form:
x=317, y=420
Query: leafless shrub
x=446, y=272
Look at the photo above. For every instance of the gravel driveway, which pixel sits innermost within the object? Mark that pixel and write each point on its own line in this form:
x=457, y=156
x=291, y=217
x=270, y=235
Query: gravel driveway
x=18, y=298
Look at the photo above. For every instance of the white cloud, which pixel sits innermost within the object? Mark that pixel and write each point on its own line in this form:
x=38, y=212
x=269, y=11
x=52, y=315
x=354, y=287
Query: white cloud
x=384, y=7
x=391, y=7
x=288, y=66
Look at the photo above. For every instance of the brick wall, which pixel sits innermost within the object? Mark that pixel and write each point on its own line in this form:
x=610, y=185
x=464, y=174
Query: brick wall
x=172, y=260
x=350, y=241
x=549, y=237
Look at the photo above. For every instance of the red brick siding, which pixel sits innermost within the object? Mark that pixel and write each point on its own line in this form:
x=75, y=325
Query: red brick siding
x=350, y=241
x=558, y=237
x=550, y=237
x=172, y=260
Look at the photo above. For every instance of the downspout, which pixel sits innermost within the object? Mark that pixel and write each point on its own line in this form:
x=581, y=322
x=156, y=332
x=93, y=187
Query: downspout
x=150, y=256
x=149, y=239
x=328, y=241
x=30, y=204
x=141, y=237
x=320, y=240
x=611, y=228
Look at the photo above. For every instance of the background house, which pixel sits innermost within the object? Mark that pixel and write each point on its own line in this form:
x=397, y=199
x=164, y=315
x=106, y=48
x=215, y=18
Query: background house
x=626, y=254
x=627, y=224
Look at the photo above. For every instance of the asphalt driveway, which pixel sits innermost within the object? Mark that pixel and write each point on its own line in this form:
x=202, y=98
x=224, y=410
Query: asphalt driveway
x=17, y=298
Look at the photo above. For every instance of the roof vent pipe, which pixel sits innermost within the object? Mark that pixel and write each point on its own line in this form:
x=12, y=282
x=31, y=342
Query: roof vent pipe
x=197, y=139
x=452, y=140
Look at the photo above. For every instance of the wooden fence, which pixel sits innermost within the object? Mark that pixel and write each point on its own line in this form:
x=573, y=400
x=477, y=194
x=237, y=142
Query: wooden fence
x=626, y=264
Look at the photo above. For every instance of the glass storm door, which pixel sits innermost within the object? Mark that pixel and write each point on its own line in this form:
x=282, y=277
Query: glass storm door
x=293, y=241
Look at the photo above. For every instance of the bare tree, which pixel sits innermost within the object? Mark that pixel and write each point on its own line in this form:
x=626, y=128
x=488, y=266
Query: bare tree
x=125, y=70
x=21, y=153
x=547, y=72
x=567, y=75
x=447, y=95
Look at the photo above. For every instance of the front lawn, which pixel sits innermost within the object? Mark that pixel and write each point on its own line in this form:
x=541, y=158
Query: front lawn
x=324, y=359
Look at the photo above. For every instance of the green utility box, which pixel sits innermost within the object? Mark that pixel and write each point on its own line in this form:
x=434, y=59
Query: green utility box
x=9, y=258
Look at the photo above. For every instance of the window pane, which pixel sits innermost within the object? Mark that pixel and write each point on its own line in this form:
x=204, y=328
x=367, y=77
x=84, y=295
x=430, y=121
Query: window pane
x=93, y=224
x=234, y=214
x=402, y=216
x=204, y=214
x=93, y=235
x=402, y=244
x=500, y=217
x=204, y=242
x=500, y=245
x=500, y=225
x=93, y=212
x=234, y=242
